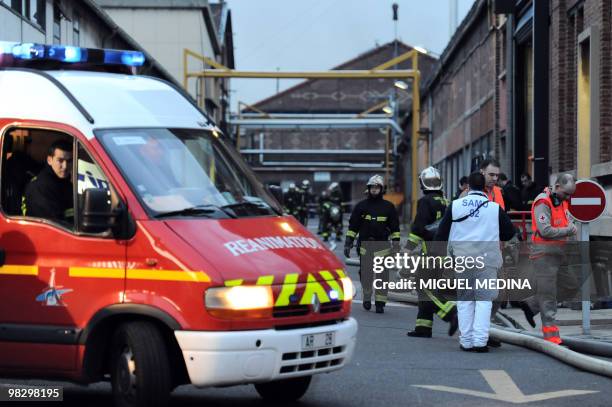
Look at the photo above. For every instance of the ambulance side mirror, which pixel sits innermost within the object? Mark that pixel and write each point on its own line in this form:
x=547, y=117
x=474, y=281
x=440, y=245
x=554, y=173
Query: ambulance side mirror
x=277, y=192
x=97, y=215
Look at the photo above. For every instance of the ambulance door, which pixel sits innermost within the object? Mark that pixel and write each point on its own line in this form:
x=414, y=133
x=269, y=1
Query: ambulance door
x=56, y=275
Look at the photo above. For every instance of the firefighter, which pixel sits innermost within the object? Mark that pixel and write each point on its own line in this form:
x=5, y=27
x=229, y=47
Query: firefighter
x=335, y=193
x=336, y=199
x=430, y=209
x=291, y=200
x=324, y=197
x=303, y=201
x=551, y=230
x=373, y=222
x=324, y=225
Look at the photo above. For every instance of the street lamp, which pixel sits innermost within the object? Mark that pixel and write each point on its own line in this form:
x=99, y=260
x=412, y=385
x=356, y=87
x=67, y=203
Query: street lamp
x=401, y=85
x=421, y=50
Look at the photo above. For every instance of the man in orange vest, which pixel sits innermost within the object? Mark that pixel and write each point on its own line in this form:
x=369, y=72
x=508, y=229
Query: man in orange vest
x=551, y=231
x=490, y=168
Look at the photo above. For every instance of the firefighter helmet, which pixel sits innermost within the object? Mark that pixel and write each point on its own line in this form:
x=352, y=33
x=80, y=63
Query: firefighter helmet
x=430, y=179
x=305, y=184
x=376, y=180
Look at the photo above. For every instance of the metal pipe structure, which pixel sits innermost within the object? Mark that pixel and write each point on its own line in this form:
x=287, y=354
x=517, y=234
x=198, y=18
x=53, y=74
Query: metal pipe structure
x=416, y=124
x=315, y=123
x=262, y=150
x=379, y=72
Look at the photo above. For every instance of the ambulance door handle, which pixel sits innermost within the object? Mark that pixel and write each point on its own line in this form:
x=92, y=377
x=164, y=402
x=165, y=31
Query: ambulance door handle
x=151, y=262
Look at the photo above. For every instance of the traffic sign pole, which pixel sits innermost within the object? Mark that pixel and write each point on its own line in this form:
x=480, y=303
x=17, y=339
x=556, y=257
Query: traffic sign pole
x=586, y=205
x=586, y=278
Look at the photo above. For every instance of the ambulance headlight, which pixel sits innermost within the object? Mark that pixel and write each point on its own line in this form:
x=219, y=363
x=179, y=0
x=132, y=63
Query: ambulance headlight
x=239, y=298
x=348, y=288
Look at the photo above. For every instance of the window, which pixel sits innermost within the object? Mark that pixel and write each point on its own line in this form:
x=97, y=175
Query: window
x=177, y=172
x=33, y=10
x=18, y=6
x=37, y=12
x=37, y=175
x=57, y=25
x=36, y=184
x=76, y=30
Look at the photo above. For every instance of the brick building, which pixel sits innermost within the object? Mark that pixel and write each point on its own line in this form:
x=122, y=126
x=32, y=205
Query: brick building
x=463, y=104
x=528, y=82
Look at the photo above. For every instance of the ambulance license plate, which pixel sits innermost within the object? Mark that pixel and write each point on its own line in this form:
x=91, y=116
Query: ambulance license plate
x=315, y=341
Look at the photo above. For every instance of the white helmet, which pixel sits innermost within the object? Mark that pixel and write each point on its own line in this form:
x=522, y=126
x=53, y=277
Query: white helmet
x=376, y=180
x=430, y=179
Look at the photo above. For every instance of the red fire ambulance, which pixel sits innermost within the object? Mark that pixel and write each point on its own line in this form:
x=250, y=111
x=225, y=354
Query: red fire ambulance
x=170, y=264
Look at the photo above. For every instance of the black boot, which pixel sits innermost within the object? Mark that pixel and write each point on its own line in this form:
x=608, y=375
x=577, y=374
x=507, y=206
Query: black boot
x=367, y=305
x=493, y=343
x=380, y=307
x=453, y=325
x=420, y=332
x=528, y=314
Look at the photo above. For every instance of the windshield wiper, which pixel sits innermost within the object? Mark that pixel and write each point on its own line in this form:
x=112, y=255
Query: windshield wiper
x=247, y=204
x=196, y=211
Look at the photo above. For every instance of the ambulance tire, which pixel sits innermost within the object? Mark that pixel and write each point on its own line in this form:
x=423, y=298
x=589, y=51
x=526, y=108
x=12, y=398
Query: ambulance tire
x=140, y=369
x=283, y=391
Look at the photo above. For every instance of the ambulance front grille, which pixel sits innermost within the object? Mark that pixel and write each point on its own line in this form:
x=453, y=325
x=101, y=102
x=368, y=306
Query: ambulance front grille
x=312, y=360
x=300, y=310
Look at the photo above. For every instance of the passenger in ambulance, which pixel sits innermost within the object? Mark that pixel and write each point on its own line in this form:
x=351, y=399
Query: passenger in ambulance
x=50, y=194
x=19, y=169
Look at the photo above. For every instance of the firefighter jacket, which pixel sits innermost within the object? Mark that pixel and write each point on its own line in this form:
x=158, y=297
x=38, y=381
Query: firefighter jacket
x=374, y=219
x=430, y=208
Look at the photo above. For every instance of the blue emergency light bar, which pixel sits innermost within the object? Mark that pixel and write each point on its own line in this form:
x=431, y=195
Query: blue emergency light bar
x=70, y=54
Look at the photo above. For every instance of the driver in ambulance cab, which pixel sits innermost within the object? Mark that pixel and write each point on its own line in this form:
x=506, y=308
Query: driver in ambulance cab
x=49, y=194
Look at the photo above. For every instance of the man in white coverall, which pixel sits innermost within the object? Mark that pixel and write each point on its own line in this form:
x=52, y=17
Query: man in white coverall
x=473, y=227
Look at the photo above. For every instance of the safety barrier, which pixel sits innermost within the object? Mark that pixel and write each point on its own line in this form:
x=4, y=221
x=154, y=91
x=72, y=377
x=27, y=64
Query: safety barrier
x=522, y=219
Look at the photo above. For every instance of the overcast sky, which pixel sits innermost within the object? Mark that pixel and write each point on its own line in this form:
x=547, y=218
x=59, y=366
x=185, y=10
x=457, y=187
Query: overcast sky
x=320, y=34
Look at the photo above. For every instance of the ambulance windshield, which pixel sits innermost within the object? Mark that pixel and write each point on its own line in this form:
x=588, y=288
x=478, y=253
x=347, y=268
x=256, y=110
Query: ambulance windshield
x=186, y=173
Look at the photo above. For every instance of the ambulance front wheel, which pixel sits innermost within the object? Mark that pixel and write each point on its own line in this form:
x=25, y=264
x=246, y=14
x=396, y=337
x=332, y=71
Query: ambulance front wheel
x=140, y=369
x=286, y=390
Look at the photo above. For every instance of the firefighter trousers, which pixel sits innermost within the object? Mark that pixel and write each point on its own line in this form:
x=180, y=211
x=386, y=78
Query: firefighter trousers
x=431, y=303
x=369, y=279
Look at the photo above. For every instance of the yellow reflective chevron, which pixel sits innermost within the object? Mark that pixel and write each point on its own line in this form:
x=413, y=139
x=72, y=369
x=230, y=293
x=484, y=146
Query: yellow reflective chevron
x=265, y=280
x=341, y=273
x=313, y=287
x=332, y=283
x=288, y=290
x=233, y=283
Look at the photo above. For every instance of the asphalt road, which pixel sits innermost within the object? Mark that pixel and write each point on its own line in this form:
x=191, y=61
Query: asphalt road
x=388, y=366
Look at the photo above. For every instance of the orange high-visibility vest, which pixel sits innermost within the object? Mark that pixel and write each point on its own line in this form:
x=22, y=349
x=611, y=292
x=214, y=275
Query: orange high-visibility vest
x=496, y=196
x=558, y=218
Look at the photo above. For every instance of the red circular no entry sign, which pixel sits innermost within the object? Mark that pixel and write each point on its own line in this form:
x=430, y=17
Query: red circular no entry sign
x=588, y=202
